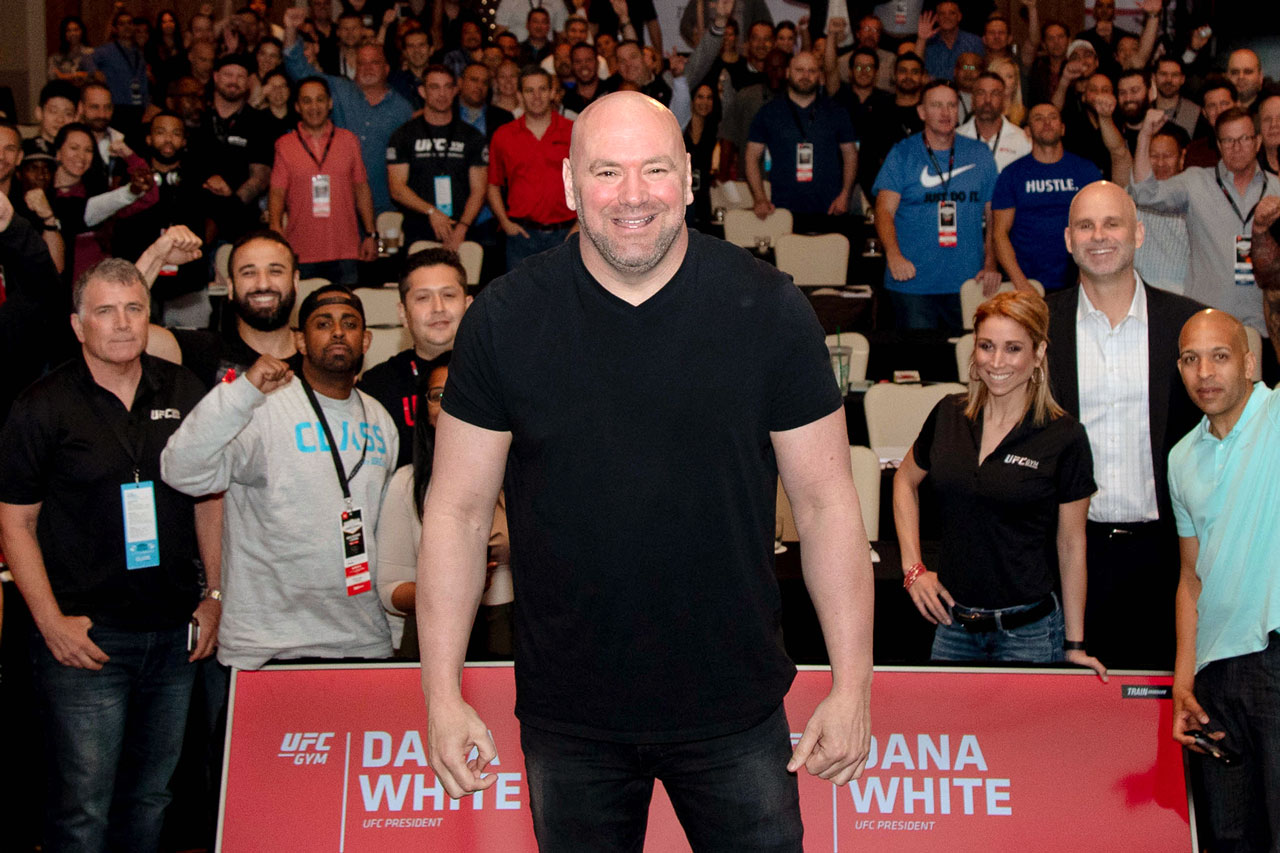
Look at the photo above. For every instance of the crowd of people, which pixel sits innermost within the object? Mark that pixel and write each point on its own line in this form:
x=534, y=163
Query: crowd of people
x=177, y=483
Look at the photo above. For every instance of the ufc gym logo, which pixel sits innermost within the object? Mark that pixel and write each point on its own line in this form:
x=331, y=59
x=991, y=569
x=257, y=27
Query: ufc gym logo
x=306, y=747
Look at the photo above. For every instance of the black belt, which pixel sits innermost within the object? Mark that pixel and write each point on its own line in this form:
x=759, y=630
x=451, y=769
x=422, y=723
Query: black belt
x=979, y=621
x=530, y=225
x=1123, y=529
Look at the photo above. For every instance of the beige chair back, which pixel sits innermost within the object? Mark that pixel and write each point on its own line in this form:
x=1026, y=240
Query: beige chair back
x=814, y=259
x=964, y=352
x=861, y=352
x=866, y=479
x=381, y=305
x=386, y=343
x=744, y=228
x=895, y=414
x=971, y=297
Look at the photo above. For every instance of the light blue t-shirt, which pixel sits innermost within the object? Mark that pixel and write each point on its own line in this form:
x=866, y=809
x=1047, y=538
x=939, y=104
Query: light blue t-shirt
x=922, y=182
x=1225, y=493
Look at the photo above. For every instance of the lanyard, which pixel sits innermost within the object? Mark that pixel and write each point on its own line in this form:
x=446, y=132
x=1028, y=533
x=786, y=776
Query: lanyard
x=133, y=64
x=951, y=162
x=307, y=147
x=132, y=449
x=1244, y=220
x=795, y=116
x=343, y=479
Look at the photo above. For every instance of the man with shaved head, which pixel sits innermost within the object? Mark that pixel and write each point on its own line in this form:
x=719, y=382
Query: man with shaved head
x=1114, y=348
x=640, y=486
x=1224, y=479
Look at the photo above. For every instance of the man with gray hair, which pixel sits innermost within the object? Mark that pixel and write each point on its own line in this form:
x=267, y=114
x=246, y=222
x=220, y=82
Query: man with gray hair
x=107, y=557
x=640, y=494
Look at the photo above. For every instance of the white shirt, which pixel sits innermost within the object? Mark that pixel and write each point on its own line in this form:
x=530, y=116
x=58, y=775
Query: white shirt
x=1008, y=145
x=1115, y=408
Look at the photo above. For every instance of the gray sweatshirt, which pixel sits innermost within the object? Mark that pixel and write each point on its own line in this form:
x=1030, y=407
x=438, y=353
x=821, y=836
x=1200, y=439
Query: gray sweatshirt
x=283, y=582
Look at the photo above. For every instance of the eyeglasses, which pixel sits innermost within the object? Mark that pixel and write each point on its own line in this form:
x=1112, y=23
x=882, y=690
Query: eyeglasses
x=1233, y=141
x=435, y=395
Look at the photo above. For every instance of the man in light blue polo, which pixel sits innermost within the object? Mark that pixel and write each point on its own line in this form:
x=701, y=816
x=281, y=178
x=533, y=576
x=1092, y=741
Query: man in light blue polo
x=1224, y=479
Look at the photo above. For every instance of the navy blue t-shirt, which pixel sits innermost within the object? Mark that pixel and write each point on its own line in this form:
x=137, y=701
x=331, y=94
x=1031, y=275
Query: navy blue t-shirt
x=1040, y=194
x=780, y=126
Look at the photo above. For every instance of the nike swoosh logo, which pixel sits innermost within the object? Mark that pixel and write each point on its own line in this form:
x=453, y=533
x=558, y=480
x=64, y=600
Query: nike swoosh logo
x=929, y=181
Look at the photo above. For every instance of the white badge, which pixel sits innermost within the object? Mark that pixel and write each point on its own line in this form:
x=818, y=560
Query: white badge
x=947, y=233
x=444, y=195
x=1244, y=262
x=320, y=196
x=141, y=542
x=804, y=162
x=355, y=552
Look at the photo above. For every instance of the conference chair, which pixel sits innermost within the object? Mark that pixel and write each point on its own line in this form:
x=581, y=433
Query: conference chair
x=813, y=259
x=971, y=297
x=470, y=253
x=964, y=352
x=381, y=306
x=895, y=414
x=306, y=287
x=744, y=228
x=386, y=343
x=866, y=479
x=861, y=352
x=735, y=194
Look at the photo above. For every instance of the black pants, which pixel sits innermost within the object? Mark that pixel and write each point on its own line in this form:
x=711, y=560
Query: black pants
x=1129, y=611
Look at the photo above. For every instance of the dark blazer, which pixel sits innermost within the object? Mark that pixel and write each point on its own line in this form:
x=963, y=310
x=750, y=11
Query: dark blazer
x=1172, y=414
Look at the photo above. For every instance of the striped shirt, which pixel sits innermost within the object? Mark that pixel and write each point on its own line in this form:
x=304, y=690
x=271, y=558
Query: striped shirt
x=1113, y=372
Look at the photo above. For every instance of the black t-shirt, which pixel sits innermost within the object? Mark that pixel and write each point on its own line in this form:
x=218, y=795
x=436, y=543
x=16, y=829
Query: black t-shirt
x=872, y=123
x=433, y=150
x=178, y=204
x=394, y=384
x=641, y=483
x=64, y=447
x=228, y=147
x=1000, y=519
x=211, y=356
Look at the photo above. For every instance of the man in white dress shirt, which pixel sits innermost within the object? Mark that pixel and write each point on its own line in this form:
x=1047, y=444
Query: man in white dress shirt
x=1113, y=364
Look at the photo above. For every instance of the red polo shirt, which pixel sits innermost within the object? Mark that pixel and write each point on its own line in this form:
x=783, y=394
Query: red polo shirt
x=334, y=237
x=530, y=169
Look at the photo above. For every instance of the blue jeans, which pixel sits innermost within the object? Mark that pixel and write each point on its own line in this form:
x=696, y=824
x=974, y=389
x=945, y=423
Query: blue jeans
x=731, y=793
x=519, y=248
x=343, y=271
x=112, y=739
x=1037, y=642
x=1241, y=695
x=926, y=310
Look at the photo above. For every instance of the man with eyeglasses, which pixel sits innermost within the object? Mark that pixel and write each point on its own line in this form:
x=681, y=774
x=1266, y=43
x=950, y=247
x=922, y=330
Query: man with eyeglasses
x=1219, y=204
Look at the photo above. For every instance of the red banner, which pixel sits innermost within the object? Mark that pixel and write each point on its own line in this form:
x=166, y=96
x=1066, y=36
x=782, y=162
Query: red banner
x=323, y=759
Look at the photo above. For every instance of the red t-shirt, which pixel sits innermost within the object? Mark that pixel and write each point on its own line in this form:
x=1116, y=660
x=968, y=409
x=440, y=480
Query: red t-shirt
x=320, y=238
x=530, y=169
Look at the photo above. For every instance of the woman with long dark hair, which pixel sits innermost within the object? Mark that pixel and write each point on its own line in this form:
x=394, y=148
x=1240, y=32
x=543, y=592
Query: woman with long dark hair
x=400, y=531
x=84, y=220
x=1013, y=474
x=700, y=140
x=73, y=46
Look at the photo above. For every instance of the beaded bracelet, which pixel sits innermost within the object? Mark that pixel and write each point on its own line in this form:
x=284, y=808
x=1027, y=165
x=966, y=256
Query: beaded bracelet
x=914, y=572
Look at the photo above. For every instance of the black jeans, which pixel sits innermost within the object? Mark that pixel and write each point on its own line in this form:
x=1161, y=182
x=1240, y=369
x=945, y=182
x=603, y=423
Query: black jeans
x=1241, y=695
x=731, y=793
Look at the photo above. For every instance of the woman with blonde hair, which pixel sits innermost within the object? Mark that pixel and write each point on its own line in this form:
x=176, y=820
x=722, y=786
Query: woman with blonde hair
x=1013, y=474
x=1008, y=70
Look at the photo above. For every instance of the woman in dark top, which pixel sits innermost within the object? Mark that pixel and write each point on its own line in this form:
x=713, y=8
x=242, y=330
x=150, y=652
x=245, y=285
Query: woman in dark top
x=277, y=104
x=1013, y=475
x=700, y=140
